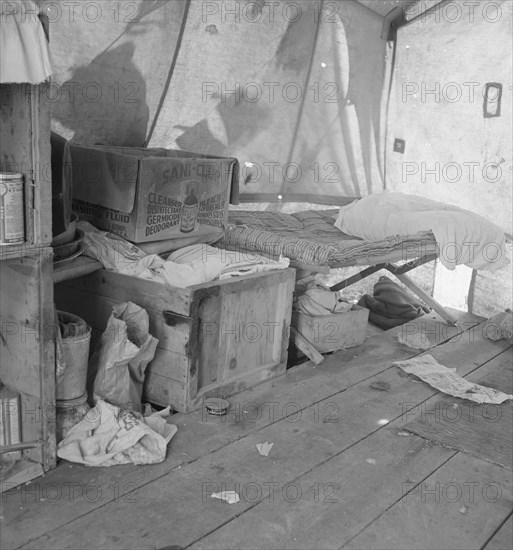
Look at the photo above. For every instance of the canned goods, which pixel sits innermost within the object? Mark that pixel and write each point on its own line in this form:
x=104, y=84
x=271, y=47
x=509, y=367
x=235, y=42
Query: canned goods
x=12, y=209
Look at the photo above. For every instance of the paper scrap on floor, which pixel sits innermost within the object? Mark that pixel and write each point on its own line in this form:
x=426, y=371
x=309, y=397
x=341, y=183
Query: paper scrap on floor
x=264, y=448
x=446, y=380
x=414, y=341
x=499, y=327
x=231, y=497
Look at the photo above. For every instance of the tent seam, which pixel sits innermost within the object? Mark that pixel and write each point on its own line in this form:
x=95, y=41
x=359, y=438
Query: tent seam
x=170, y=74
x=302, y=106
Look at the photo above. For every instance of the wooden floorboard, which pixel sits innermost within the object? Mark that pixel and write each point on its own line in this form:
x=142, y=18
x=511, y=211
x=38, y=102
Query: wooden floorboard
x=503, y=538
x=300, y=447
x=307, y=389
x=336, y=499
x=366, y=489
x=482, y=430
x=457, y=507
x=72, y=490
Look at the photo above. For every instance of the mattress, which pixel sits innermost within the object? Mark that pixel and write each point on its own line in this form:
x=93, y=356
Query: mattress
x=310, y=238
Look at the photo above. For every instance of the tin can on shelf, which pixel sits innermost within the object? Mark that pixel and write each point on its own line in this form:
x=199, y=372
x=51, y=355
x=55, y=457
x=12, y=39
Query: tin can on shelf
x=10, y=426
x=12, y=208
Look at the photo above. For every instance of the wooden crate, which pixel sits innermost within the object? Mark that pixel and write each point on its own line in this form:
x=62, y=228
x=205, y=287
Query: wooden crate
x=332, y=332
x=215, y=339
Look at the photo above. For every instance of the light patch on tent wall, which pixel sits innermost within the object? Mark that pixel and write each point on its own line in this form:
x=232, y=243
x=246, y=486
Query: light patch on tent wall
x=492, y=100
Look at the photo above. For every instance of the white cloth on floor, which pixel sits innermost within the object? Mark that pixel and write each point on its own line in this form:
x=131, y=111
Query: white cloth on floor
x=24, y=50
x=463, y=237
x=107, y=436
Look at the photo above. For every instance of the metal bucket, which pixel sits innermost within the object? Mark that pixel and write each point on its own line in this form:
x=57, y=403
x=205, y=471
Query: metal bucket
x=71, y=381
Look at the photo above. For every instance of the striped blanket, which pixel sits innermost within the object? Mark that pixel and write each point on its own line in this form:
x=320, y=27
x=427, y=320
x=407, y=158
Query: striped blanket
x=311, y=238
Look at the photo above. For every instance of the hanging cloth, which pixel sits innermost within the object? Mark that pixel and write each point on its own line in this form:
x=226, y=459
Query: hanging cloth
x=24, y=49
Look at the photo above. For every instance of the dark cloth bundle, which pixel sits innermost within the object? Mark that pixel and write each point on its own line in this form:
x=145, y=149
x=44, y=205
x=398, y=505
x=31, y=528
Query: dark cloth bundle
x=391, y=306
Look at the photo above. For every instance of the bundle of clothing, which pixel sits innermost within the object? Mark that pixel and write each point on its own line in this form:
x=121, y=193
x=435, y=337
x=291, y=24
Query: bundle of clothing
x=391, y=306
x=192, y=265
x=320, y=301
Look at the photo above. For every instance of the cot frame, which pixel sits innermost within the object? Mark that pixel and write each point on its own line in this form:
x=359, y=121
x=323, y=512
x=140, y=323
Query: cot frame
x=399, y=271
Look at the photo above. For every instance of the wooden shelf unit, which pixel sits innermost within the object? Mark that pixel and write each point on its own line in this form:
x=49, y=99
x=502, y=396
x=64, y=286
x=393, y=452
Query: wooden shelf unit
x=77, y=268
x=27, y=349
x=25, y=148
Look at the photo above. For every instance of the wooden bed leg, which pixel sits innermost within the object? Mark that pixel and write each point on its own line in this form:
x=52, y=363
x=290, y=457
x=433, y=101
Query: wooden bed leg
x=425, y=297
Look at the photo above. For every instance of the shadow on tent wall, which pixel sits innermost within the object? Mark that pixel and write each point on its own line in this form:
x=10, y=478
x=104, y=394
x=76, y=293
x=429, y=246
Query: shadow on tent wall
x=105, y=101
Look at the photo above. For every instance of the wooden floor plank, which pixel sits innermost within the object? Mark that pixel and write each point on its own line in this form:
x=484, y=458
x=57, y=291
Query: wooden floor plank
x=303, y=445
x=457, y=507
x=72, y=490
x=337, y=499
x=483, y=430
x=367, y=489
x=503, y=539
x=298, y=447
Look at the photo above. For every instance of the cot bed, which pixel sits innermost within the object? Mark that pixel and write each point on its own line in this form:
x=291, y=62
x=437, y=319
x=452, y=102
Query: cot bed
x=314, y=244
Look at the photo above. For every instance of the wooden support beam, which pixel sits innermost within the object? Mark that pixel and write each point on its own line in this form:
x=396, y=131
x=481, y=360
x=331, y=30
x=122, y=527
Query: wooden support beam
x=305, y=346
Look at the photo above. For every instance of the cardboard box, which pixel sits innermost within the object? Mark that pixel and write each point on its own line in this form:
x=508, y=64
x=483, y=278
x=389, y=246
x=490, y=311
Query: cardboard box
x=215, y=339
x=147, y=195
x=332, y=332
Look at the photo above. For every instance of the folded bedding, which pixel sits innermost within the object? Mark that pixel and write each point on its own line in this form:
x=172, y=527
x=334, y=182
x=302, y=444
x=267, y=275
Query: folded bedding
x=462, y=236
x=380, y=228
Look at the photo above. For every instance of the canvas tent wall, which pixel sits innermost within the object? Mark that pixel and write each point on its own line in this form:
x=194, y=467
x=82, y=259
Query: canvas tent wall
x=303, y=86
x=296, y=88
x=445, y=58
x=444, y=61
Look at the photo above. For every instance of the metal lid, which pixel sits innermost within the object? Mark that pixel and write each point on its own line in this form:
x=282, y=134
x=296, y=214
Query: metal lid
x=7, y=176
x=216, y=406
x=70, y=403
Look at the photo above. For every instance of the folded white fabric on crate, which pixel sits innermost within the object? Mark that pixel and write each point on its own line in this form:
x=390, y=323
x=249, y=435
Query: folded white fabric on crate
x=191, y=265
x=229, y=263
